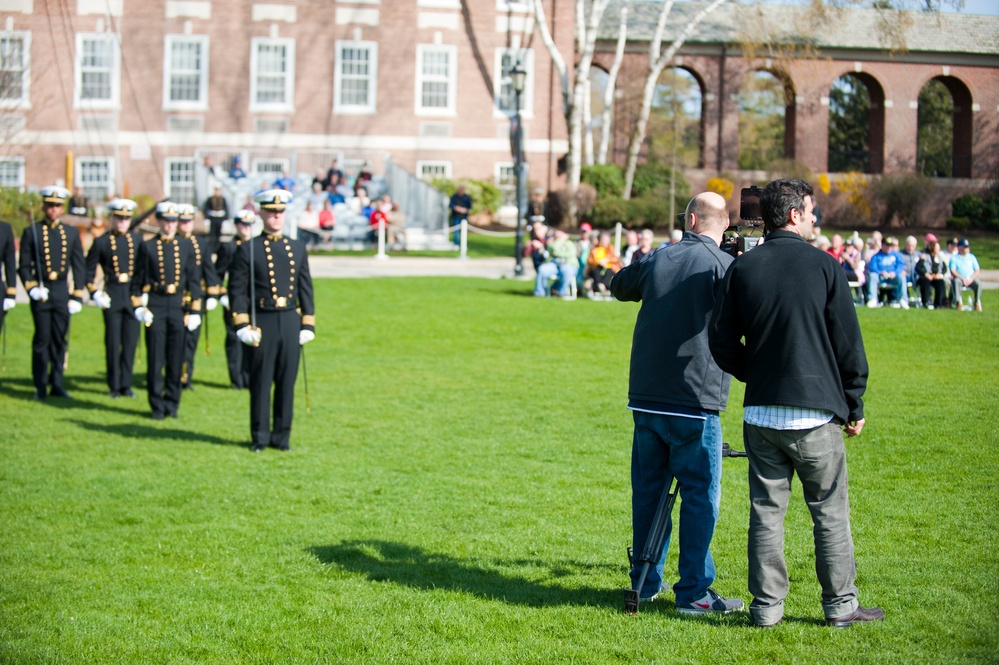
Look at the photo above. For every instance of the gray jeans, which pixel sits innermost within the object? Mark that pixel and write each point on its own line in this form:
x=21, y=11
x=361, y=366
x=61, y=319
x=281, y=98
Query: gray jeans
x=959, y=287
x=818, y=456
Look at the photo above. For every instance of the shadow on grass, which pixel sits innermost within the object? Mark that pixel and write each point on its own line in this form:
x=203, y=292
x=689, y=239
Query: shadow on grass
x=137, y=431
x=404, y=564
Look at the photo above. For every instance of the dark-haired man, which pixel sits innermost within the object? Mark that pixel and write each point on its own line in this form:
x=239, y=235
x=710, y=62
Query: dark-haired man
x=805, y=371
x=675, y=393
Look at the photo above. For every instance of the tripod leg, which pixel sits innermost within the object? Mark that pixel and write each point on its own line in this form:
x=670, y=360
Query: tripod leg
x=654, y=544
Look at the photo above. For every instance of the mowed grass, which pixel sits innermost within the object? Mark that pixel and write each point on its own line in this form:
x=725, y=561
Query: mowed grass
x=460, y=494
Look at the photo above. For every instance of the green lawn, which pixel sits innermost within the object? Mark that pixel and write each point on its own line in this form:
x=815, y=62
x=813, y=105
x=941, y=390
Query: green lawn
x=459, y=494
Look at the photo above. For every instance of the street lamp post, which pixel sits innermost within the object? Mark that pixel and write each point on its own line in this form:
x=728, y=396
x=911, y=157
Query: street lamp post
x=518, y=78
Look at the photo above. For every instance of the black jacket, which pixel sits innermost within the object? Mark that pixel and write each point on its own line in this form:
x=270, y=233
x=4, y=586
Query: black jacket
x=670, y=361
x=8, y=261
x=802, y=346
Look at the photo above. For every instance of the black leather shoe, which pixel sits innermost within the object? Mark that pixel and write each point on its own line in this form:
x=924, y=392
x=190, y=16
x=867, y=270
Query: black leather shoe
x=188, y=386
x=113, y=394
x=860, y=615
x=59, y=392
x=128, y=392
x=39, y=396
x=157, y=415
x=257, y=448
x=172, y=414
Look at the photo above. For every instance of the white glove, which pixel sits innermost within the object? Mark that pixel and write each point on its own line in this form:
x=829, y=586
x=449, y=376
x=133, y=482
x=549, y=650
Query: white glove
x=305, y=336
x=102, y=299
x=193, y=322
x=224, y=301
x=8, y=304
x=145, y=300
x=143, y=315
x=39, y=293
x=249, y=336
x=75, y=307
x=211, y=304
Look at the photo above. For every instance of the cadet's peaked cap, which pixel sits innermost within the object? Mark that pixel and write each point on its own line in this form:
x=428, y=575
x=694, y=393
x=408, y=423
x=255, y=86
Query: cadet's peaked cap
x=167, y=210
x=54, y=194
x=273, y=199
x=245, y=217
x=185, y=212
x=122, y=208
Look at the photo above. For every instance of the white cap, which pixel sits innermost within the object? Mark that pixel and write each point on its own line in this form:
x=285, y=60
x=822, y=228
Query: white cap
x=244, y=217
x=122, y=207
x=273, y=199
x=54, y=194
x=167, y=210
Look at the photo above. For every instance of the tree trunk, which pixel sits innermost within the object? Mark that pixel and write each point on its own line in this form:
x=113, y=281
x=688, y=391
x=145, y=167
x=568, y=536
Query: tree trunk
x=607, y=113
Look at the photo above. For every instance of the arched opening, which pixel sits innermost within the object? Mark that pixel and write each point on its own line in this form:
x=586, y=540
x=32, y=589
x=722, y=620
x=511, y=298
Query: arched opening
x=598, y=86
x=944, y=129
x=766, y=119
x=676, y=121
x=856, y=124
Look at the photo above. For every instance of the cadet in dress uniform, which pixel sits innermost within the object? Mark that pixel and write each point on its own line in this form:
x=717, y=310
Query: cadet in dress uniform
x=273, y=271
x=50, y=253
x=210, y=287
x=237, y=359
x=165, y=271
x=8, y=270
x=115, y=253
x=216, y=210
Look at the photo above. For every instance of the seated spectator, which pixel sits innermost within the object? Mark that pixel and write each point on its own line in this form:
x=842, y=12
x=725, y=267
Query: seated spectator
x=308, y=229
x=320, y=178
x=910, y=257
x=583, y=244
x=945, y=254
x=317, y=200
x=645, y=241
x=360, y=203
x=931, y=273
x=363, y=177
x=852, y=259
x=381, y=212
x=836, y=247
x=235, y=170
x=285, y=182
x=334, y=171
x=675, y=236
x=887, y=267
x=601, y=265
x=823, y=243
x=537, y=244
x=631, y=246
x=562, y=264
x=964, y=268
x=873, y=246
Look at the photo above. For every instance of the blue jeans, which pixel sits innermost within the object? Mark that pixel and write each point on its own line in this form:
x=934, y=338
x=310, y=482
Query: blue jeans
x=898, y=282
x=689, y=449
x=566, y=273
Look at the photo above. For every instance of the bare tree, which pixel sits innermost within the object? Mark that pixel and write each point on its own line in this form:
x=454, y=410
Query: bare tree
x=607, y=112
x=588, y=16
x=658, y=59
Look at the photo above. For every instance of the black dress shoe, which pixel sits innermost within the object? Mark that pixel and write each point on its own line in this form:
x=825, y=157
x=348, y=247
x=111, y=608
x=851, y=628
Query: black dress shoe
x=157, y=415
x=861, y=614
x=128, y=392
x=113, y=394
x=257, y=447
x=172, y=414
x=187, y=386
x=59, y=392
x=39, y=396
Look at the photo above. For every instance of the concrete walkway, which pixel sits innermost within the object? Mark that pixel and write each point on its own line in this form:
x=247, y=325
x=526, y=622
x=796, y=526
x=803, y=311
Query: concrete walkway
x=413, y=266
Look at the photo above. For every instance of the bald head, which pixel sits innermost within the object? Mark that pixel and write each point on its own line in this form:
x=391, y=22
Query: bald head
x=707, y=214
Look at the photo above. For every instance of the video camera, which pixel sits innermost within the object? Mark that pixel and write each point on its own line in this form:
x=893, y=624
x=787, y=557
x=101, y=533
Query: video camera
x=751, y=218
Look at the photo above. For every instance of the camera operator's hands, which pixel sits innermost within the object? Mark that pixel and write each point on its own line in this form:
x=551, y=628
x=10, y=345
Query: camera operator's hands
x=854, y=428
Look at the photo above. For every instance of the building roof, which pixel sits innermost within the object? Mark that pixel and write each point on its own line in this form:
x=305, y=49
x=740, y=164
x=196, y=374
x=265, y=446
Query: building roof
x=855, y=29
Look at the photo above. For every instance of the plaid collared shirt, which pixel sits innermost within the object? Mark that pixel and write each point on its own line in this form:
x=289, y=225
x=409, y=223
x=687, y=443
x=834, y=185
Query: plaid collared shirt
x=785, y=417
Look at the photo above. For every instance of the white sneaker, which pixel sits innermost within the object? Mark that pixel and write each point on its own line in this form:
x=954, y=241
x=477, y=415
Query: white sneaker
x=895, y=305
x=905, y=304
x=872, y=303
x=711, y=603
x=929, y=307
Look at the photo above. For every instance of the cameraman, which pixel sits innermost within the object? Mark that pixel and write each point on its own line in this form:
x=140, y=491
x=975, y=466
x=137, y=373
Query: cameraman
x=675, y=394
x=805, y=371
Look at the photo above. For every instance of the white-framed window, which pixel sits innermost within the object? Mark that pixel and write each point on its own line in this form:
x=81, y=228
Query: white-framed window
x=98, y=63
x=503, y=92
x=514, y=6
x=433, y=170
x=272, y=165
x=185, y=72
x=96, y=176
x=15, y=69
x=272, y=74
x=179, y=185
x=12, y=172
x=506, y=179
x=355, y=78
x=436, y=79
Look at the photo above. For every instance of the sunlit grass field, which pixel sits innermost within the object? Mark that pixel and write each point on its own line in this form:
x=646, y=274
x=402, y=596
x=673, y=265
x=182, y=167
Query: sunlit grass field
x=459, y=494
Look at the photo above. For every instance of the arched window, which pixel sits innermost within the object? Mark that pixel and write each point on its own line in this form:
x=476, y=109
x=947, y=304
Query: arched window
x=944, y=133
x=766, y=119
x=676, y=125
x=856, y=124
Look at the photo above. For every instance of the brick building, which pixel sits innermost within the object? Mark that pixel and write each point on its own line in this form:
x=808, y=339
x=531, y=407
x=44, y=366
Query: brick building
x=130, y=97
